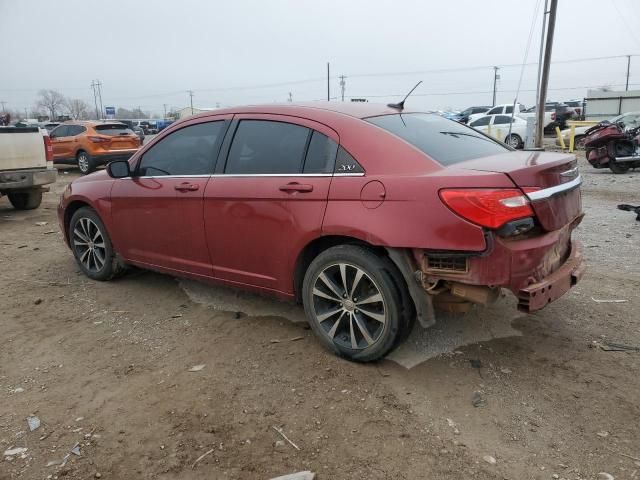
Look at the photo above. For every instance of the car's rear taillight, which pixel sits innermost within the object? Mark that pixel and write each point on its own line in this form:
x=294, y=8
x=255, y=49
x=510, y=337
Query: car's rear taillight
x=488, y=207
x=48, y=148
x=99, y=139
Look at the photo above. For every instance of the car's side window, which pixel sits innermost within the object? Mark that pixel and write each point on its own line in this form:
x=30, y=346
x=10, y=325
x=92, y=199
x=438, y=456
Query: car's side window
x=60, y=131
x=501, y=120
x=494, y=111
x=267, y=147
x=481, y=122
x=75, y=130
x=509, y=109
x=345, y=163
x=321, y=154
x=188, y=151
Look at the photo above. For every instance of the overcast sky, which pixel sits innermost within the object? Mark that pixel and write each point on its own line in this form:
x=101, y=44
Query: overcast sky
x=148, y=53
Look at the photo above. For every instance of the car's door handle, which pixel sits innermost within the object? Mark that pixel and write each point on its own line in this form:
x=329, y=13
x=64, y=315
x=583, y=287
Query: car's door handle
x=187, y=187
x=296, y=187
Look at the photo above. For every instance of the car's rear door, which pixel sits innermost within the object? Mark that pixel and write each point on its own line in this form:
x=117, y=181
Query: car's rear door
x=268, y=197
x=158, y=212
x=61, y=142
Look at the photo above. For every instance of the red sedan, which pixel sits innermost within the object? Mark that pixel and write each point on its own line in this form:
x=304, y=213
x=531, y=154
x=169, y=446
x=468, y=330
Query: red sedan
x=369, y=216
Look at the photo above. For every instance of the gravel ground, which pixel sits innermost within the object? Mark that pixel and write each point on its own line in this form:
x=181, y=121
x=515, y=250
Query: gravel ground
x=106, y=366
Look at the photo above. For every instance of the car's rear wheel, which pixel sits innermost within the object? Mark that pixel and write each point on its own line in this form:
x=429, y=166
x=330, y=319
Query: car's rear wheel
x=85, y=162
x=26, y=200
x=513, y=140
x=354, y=303
x=92, y=246
x=618, y=168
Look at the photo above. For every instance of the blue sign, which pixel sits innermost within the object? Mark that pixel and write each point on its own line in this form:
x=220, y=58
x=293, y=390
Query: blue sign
x=110, y=110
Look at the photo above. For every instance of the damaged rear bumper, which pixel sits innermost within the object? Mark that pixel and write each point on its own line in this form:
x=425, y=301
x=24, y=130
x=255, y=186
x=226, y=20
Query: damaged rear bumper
x=539, y=294
x=538, y=269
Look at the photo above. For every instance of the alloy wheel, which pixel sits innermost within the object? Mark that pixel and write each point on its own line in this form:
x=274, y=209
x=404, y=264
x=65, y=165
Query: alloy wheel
x=83, y=162
x=513, y=141
x=89, y=245
x=349, y=306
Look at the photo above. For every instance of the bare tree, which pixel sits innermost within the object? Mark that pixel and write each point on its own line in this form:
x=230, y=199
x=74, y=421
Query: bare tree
x=78, y=109
x=51, y=101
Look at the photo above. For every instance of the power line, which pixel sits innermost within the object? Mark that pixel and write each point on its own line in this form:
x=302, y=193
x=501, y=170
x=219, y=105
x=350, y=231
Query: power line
x=624, y=20
x=481, y=92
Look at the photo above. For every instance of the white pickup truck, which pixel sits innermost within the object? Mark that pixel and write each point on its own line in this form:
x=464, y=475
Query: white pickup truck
x=26, y=165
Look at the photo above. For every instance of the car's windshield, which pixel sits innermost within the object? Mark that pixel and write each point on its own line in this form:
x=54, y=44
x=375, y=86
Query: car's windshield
x=113, y=129
x=445, y=141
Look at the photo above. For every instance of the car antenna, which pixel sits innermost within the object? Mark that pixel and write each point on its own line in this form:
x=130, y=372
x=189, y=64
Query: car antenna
x=400, y=105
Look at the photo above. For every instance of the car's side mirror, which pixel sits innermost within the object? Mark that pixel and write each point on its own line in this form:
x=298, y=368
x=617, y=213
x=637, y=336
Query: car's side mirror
x=119, y=169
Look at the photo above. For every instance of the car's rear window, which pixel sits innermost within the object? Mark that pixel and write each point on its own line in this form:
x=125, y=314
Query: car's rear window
x=113, y=129
x=446, y=141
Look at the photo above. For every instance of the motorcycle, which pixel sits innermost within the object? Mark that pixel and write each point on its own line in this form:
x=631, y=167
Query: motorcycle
x=611, y=145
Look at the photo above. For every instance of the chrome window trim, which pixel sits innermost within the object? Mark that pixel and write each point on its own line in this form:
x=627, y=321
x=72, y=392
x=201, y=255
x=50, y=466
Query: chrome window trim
x=223, y=175
x=551, y=191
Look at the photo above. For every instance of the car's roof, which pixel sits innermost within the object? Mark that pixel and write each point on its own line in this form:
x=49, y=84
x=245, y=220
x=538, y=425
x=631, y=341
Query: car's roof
x=353, y=109
x=93, y=123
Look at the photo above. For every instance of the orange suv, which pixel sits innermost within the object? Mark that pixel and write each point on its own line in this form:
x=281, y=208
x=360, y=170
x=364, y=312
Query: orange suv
x=92, y=143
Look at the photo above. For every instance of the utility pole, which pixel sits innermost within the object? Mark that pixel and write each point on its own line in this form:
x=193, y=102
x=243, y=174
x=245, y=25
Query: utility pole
x=99, y=87
x=190, y=92
x=26, y=115
x=95, y=99
x=496, y=77
x=342, y=84
x=328, y=84
x=164, y=105
x=290, y=99
x=545, y=12
x=3, y=105
x=544, y=81
x=628, y=68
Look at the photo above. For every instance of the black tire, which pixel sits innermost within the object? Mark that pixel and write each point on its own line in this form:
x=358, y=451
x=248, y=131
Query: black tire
x=86, y=164
x=618, y=168
x=26, y=200
x=513, y=140
x=386, y=320
x=83, y=226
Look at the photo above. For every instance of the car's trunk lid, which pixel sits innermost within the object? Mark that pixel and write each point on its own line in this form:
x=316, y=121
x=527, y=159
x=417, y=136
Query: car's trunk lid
x=553, y=205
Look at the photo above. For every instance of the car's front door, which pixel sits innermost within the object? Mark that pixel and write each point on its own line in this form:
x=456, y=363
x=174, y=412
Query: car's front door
x=268, y=198
x=61, y=142
x=158, y=212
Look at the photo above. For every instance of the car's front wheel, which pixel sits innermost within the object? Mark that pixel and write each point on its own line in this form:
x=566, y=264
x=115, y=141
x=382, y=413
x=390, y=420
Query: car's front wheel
x=92, y=246
x=353, y=302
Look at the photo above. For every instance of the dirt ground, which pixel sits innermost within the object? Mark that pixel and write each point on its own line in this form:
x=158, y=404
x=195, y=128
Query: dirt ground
x=106, y=366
